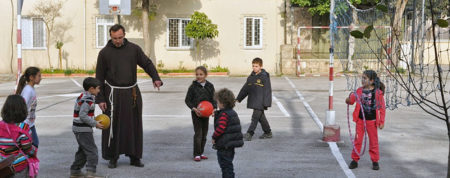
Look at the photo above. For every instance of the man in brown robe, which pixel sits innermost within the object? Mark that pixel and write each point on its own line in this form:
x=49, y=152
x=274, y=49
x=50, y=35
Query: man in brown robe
x=116, y=70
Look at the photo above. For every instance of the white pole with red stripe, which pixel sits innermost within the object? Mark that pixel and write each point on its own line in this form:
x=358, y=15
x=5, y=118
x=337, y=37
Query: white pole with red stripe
x=331, y=131
x=19, y=40
x=298, y=53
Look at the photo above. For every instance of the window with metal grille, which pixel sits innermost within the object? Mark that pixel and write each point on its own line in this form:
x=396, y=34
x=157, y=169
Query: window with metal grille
x=102, y=30
x=253, y=32
x=33, y=33
x=177, y=38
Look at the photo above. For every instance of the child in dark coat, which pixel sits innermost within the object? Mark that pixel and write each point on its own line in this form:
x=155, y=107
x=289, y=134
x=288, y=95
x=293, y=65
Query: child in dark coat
x=200, y=90
x=259, y=93
x=228, y=132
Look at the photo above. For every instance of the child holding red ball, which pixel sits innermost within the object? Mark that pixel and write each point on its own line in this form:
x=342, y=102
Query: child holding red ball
x=370, y=107
x=200, y=90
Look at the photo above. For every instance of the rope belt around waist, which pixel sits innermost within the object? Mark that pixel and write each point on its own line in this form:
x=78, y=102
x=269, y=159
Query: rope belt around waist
x=111, y=100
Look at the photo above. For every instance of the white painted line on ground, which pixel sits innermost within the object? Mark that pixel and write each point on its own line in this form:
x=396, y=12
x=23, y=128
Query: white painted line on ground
x=333, y=146
x=160, y=116
x=305, y=103
x=144, y=81
x=62, y=95
x=285, y=112
x=340, y=159
x=76, y=83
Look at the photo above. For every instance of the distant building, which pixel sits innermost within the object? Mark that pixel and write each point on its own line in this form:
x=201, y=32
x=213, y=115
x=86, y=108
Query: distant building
x=247, y=29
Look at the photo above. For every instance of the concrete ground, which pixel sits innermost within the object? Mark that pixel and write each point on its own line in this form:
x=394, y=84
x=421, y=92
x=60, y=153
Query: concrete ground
x=413, y=144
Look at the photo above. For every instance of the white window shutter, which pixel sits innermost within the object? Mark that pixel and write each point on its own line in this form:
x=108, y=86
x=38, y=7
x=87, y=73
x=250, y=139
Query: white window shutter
x=27, y=33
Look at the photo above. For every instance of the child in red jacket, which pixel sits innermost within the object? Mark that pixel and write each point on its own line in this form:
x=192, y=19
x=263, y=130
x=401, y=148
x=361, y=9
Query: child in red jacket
x=370, y=107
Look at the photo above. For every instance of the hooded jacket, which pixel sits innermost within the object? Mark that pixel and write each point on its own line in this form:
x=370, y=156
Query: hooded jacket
x=197, y=93
x=258, y=90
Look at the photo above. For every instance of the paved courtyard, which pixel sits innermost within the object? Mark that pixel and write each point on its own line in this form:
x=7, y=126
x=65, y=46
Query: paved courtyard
x=413, y=144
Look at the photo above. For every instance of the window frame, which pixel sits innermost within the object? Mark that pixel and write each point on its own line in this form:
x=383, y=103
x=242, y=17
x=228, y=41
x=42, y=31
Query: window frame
x=261, y=31
x=106, y=30
x=180, y=35
x=44, y=31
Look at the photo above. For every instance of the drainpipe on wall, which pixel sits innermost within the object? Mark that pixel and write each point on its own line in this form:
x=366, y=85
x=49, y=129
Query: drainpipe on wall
x=19, y=40
x=84, y=36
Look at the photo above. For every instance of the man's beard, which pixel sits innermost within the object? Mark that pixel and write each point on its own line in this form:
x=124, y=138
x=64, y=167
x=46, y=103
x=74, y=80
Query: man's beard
x=118, y=45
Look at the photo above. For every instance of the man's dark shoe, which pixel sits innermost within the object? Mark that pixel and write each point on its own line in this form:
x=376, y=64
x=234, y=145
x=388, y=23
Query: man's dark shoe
x=375, y=166
x=266, y=135
x=112, y=164
x=136, y=162
x=353, y=165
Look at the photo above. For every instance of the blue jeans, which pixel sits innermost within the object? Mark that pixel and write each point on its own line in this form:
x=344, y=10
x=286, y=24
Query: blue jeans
x=34, y=136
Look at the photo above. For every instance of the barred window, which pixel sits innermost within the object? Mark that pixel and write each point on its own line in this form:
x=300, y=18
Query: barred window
x=103, y=24
x=253, y=32
x=177, y=37
x=33, y=33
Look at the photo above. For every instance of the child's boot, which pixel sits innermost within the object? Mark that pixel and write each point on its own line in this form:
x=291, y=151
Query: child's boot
x=266, y=135
x=353, y=165
x=76, y=174
x=248, y=137
x=91, y=174
x=375, y=166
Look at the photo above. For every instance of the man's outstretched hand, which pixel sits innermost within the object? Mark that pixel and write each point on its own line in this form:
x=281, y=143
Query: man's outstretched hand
x=157, y=84
x=103, y=106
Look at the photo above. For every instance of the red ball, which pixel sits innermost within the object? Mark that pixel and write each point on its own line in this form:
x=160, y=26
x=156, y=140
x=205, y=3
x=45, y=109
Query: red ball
x=206, y=108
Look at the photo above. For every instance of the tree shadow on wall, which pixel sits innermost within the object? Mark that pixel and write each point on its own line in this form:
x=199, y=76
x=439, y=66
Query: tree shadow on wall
x=208, y=49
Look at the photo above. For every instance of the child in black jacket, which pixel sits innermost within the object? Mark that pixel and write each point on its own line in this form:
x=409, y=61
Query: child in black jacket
x=227, y=134
x=259, y=93
x=200, y=90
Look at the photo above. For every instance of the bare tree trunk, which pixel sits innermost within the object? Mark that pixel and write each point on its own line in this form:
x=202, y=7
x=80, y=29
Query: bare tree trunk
x=441, y=89
x=197, y=48
x=48, y=48
x=397, y=25
x=448, y=161
x=12, y=38
x=351, y=42
x=60, y=58
x=146, y=27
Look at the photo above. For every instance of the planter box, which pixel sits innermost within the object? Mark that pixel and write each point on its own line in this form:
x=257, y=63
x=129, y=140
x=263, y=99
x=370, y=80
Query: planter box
x=225, y=74
x=53, y=75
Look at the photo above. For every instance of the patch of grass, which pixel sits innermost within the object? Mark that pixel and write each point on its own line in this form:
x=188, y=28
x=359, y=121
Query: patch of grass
x=52, y=71
x=166, y=71
x=349, y=72
x=67, y=71
x=399, y=70
x=219, y=69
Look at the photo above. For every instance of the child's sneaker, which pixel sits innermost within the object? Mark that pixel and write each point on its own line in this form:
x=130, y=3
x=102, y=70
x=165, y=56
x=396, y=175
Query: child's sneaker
x=248, y=137
x=76, y=174
x=90, y=174
x=203, y=157
x=266, y=136
x=197, y=158
x=375, y=166
x=353, y=165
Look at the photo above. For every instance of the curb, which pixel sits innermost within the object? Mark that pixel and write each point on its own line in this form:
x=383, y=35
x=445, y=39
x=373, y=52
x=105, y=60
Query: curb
x=321, y=75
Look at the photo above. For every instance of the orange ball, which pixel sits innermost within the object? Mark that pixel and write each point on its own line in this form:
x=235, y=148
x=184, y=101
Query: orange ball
x=206, y=108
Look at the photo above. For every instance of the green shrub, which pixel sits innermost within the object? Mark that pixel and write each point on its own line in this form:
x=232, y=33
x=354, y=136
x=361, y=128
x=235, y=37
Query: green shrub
x=68, y=72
